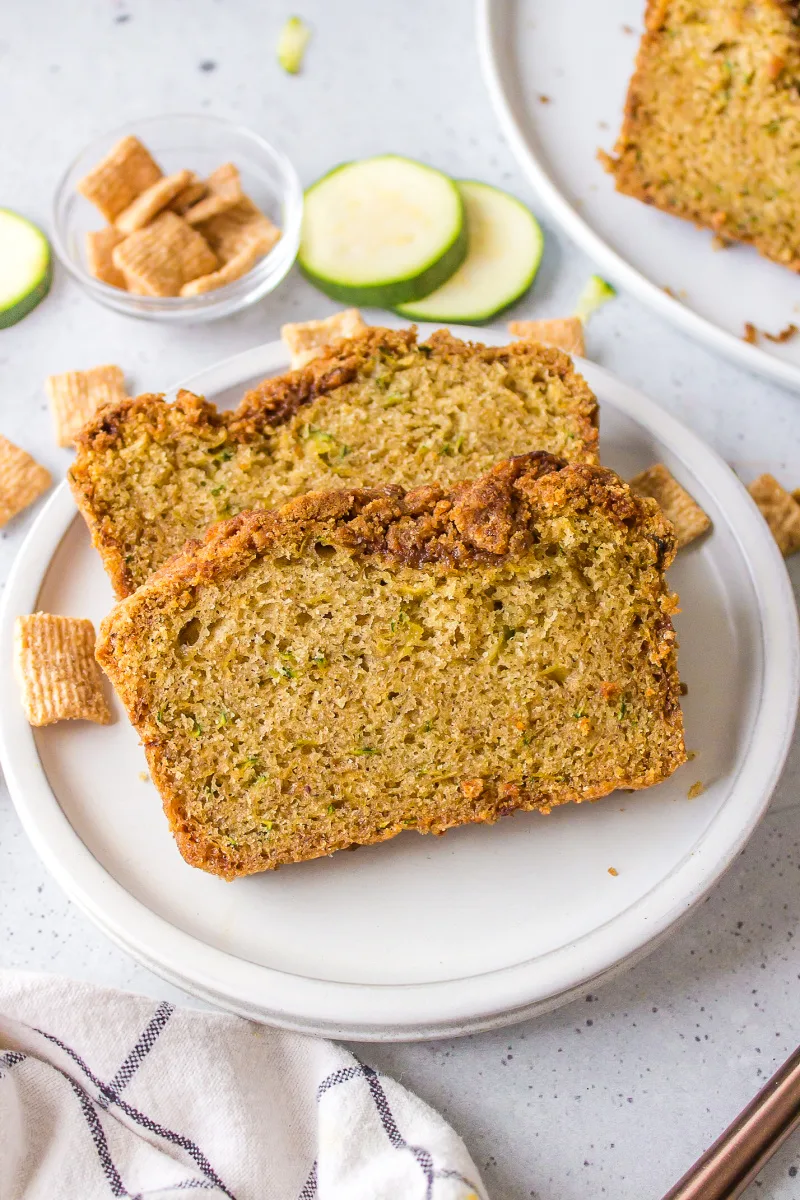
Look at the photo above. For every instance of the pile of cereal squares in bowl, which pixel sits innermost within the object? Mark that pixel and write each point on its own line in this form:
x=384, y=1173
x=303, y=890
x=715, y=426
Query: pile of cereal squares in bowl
x=171, y=235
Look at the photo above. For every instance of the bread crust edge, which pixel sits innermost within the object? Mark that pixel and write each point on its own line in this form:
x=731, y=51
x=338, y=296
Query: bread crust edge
x=275, y=401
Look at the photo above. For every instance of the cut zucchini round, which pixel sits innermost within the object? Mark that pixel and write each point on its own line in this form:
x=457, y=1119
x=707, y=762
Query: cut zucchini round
x=25, y=267
x=382, y=231
x=505, y=249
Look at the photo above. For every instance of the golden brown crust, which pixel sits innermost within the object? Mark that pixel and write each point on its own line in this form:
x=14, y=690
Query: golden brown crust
x=104, y=429
x=472, y=524
x=277, y=400
x=274, y=402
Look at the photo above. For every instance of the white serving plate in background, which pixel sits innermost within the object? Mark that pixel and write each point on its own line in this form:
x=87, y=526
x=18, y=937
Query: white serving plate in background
x=580, y=55
x=422, y=936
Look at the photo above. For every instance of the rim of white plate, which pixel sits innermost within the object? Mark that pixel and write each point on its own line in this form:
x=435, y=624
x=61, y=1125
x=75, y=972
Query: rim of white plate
x=489, y=16
x=452, y=1007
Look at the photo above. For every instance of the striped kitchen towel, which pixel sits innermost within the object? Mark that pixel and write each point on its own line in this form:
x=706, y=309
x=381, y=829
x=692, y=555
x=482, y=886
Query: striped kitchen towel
x=103, y=1093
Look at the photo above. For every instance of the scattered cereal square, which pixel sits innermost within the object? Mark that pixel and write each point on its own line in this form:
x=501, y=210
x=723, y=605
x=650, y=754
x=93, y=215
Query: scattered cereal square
x=780, y=510
x=76, y=396
x=306, y=340
x=151, y=201
x=100, y=245
x=224, y=192
x=163, y=256
x=57, y=671
x=565, y=333
x=22, y=480
x=126, y=171
x=684, y=513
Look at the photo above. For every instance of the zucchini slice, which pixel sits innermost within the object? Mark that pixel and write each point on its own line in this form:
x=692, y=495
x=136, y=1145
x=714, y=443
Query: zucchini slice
x=382, y=231
x=25, y=267
x=505, y=249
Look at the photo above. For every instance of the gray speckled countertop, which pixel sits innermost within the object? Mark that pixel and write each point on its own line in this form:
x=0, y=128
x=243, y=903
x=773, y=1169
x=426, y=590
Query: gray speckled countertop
x=616, y=1094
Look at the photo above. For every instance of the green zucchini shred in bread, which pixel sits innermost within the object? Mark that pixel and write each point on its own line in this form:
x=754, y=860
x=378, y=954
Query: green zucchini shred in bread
x=712, y=121
x=367, y=661
x=378, y=408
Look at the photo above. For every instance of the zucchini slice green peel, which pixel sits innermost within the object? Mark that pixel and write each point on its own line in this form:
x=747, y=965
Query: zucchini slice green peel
x=505, y=249
x=25, y=267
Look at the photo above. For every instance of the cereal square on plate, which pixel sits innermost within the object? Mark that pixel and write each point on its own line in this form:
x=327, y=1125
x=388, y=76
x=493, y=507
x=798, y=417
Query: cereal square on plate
x=57, y=670
x=678, y=507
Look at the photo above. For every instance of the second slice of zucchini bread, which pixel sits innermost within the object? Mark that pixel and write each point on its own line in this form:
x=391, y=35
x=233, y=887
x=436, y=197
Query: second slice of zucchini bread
x=379, y=408
x=363, y=662
x=712, y=120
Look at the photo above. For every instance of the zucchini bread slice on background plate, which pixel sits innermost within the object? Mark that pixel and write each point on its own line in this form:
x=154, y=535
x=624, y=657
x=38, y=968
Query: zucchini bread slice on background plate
x=379, y=408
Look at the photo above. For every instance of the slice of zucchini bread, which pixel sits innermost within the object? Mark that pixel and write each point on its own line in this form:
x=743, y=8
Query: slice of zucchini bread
x=712, y=121
x=362, y=662
x=377, y=408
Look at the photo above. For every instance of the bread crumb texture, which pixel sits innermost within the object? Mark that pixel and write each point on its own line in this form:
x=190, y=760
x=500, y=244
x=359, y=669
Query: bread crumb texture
x=148, y=475
x=712, y=120
x=368, y=661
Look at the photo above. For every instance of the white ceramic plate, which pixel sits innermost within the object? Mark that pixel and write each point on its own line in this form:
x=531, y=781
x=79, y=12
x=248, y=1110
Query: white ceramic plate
x=423, y=936
x=580, y=55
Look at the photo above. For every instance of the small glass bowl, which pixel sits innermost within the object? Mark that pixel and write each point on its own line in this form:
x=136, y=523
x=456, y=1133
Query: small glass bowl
x=199, y=143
